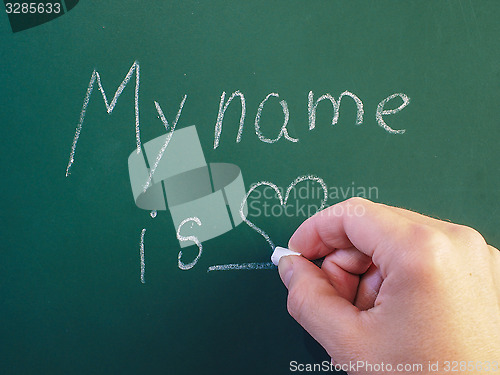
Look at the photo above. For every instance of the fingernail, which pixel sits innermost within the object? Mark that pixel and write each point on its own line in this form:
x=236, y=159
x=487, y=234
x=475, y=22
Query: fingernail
x=285, y=269
x=280, y=252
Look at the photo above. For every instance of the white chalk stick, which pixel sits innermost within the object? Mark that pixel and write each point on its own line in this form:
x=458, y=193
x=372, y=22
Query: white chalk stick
x=281, y=252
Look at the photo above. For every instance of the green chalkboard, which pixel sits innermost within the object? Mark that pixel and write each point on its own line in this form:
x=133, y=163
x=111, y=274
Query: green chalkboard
x=98, y=278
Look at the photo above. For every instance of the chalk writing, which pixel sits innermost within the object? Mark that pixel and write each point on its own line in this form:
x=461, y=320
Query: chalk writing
x=167, y=139
x=220, y=116
x=109, y=107
x=382, y=112
x=143, y=264
x=242, y=266
x=223, y=105
x=282, y=200
x=283, y=132
x=312, y=105
x=180, y=263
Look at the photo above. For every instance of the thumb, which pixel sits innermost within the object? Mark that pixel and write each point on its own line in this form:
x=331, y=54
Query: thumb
x=315, y=304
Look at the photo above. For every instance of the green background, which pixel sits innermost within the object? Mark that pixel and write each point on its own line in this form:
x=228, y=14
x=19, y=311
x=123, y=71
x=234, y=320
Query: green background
x=71, y=297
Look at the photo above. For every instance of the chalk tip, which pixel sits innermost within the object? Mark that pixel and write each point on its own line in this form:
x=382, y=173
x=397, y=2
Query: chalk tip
x=280, y=252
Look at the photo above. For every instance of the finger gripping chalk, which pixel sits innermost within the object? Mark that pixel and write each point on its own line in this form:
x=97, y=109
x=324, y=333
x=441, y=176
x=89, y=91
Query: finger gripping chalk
x=280, y=252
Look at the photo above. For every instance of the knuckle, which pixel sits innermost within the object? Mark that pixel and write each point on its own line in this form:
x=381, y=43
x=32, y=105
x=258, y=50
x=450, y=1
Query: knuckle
x=467, y=234
x=435, y=249
x=428, y=238
x=355, y=201
x=470, y=243
x=432, y=250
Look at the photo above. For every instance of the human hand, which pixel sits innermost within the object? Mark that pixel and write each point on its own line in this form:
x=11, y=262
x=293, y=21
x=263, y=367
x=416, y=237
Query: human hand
x=395, y=287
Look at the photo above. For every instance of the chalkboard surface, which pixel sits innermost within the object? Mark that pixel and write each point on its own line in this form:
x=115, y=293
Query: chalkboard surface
x=95, y=282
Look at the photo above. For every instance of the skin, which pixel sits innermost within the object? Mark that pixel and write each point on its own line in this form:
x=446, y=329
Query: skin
x=396, y=287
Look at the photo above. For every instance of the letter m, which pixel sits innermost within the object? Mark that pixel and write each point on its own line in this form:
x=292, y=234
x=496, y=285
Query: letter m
x=109, y=106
